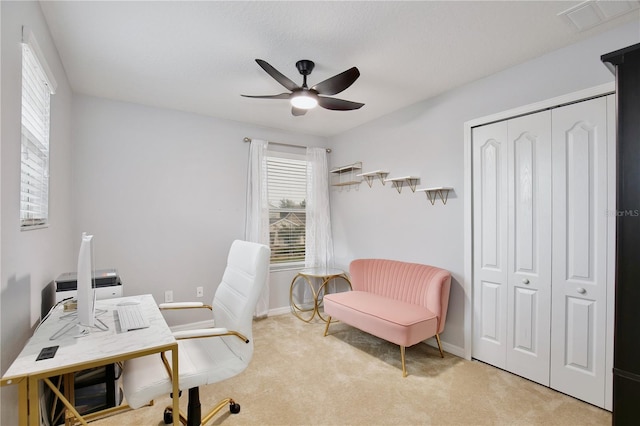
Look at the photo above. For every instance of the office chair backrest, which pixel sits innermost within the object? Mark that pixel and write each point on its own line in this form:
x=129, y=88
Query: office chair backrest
x=237, y=295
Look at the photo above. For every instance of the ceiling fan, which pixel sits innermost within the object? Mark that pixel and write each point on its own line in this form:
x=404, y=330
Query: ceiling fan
x=303, y=98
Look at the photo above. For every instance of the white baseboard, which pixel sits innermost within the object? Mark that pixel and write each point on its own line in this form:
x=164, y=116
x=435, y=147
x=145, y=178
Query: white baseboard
x=446, y=347
x=279, y=311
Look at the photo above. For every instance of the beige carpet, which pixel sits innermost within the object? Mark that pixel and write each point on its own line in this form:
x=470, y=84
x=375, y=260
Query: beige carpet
x=299, y=377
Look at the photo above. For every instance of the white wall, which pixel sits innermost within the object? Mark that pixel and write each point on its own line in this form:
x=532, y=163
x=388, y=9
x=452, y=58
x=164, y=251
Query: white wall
x=164, y=194
x=163, y=191
x=426, y=140
x=30, y=259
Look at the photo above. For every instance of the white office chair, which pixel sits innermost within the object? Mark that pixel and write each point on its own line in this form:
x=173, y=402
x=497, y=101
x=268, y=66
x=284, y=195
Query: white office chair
x=211, y=355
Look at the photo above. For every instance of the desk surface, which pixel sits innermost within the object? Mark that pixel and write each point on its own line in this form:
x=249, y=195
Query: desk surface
x=76, y=351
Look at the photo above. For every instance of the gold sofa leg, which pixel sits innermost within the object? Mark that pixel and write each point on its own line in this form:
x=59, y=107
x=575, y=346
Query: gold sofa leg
x=439, y=345
x=326, y=329
x=404, y=368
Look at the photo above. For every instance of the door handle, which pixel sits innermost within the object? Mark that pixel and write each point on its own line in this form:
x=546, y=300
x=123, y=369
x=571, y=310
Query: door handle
x=581, y=290
x=525, y=281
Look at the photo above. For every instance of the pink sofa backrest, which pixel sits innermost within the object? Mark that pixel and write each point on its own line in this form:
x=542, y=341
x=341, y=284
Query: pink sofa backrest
x=423, y=285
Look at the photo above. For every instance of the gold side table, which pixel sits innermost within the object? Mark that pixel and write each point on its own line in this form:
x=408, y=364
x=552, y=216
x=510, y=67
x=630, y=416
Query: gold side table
x=306, y=311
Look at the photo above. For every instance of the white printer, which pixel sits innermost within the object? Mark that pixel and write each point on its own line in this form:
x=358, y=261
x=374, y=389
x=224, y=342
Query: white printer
x=106, y=281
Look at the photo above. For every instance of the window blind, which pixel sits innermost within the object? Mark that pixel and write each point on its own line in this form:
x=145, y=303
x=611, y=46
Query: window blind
x=34, y=176
x=287, y=191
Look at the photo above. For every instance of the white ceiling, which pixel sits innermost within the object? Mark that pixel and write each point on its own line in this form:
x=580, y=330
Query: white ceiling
x=199, y=56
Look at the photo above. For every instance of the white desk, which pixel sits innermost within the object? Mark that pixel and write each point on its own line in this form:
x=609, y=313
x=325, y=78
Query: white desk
x=96, y=349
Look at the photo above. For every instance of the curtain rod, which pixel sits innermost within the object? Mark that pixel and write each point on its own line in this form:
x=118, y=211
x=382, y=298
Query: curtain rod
x=287, y=144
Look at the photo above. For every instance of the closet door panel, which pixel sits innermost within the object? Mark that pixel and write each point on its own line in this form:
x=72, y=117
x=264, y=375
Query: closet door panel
x=579, y=250
x=529, y=254
x=490, y=243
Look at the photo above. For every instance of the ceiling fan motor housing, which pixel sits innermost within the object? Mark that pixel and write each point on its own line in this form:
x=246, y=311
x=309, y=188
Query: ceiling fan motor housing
x=305, y=66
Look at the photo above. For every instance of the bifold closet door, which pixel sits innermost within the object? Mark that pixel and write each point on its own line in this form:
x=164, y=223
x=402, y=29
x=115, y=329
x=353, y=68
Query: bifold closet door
x=580, y=183
x=512, y=238
x=529, y=254
x=540, y=192
x=490, y=243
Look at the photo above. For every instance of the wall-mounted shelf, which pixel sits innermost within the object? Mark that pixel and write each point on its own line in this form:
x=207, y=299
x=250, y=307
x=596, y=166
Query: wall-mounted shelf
x=346, y=175
x=399, y=182
x=369, y=177
x=440, y=191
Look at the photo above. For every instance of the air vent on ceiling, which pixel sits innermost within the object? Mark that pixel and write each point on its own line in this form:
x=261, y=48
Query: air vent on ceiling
x=590, y=13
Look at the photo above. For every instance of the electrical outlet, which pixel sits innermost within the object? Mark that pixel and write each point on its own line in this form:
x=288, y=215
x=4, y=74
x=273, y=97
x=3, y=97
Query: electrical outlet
x=199, y=292
x=168, y=296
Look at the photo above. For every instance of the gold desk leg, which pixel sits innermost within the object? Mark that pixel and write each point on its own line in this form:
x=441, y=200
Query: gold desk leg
x=23, y=402
x=64, y=400
x=404, y=368
x=176, y=385
x=70, y=395
x=34, y=406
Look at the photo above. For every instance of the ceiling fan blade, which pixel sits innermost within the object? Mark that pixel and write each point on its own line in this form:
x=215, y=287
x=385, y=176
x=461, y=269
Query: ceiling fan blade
x=280, y=96
x=337, y=83
x=298, y=111
x=338, y=104
x=277, y=75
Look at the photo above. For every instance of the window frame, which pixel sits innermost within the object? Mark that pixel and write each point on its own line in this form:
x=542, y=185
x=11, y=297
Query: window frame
x=37, y=86
x=286, y=265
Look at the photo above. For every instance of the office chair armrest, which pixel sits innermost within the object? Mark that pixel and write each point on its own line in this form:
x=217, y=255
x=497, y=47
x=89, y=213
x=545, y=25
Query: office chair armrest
x=207, y=332
x=200, y=332
x=183, y=305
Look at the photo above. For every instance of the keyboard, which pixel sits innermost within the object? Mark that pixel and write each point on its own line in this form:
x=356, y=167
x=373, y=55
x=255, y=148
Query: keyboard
x=131, y=317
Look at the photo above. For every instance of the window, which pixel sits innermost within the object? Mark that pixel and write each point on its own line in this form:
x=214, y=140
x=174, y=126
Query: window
x=287, y=191
x=37, y=87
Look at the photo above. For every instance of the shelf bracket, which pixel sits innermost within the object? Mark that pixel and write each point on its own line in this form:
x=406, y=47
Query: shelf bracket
x=412, y=182
x=369, y=177
x=435, y=193
x=398, y=183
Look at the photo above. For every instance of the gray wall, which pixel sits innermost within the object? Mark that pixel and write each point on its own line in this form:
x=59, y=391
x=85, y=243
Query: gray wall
x=30, y=259
x=427, y=140
x=164, y=194
x=163, y=191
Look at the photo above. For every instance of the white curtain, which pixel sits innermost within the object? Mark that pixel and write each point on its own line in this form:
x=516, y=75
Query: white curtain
x=257, y=218
x=319, y=242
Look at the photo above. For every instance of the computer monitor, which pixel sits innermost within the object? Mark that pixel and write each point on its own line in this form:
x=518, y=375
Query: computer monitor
x=86, y=291
x=85, y=315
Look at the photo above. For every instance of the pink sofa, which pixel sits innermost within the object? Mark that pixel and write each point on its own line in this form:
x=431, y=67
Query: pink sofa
x=403, y=303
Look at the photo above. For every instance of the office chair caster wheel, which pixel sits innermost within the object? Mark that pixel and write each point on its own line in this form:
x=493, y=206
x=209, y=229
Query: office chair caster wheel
x=234, y=408
x=168, y=416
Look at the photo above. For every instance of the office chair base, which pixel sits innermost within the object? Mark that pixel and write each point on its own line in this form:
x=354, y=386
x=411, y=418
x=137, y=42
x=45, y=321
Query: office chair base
x=234, y=408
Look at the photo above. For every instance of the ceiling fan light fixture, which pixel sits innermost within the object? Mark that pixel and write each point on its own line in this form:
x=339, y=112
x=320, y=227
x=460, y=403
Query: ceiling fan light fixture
x=304, y=100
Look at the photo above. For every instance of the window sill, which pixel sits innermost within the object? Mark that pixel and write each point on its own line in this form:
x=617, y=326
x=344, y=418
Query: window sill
x=285, y=267
x=34, y=227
